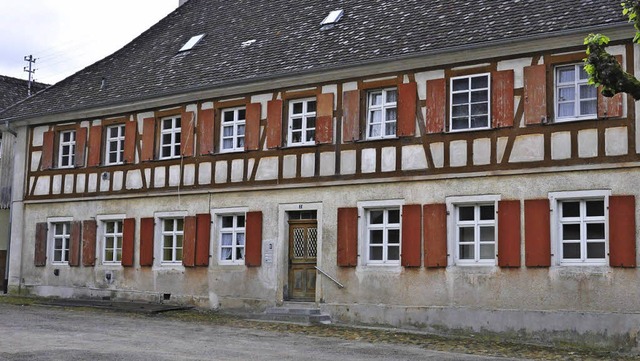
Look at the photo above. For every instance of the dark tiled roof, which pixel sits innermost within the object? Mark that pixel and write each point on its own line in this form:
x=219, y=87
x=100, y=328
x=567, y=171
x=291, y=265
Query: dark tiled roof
x=288, y=40
x=13, y=90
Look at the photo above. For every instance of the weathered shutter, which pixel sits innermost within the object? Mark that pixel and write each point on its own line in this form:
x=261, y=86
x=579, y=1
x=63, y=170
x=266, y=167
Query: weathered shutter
x=74, y=243
x=274, y=123
x=407, y=98
x=502, y=98
x=351, y=116
x=622, y=231
x=40, y=256
x=203, y=238
x=252, y=127
x=347, y=237
x=253, y=236
x=189, y=242
x=411, y=235
x=81, y=144
x=206, y=131
x=436, y=105
x=95, y=146
x=610, y=107
x=128, y=241
x=537, y=233
x=148, y=139
x=130, y=139
x=324, y=119
x=146, y=241
x=509, y=233
x=89, y=229
x=48, y=140
x=435, y=235
x=535, y=94
x=187, y=127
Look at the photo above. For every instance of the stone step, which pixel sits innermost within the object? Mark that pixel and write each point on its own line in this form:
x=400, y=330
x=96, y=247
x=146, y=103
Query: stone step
x=295, y=312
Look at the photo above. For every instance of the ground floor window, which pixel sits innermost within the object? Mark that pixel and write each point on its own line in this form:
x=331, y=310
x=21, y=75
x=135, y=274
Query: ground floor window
x=172, y=231
x=61, y=235
x=383, y=235
x=112, y=241
x=232, y=238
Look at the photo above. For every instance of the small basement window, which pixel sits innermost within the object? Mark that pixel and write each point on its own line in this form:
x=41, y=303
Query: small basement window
x=191, y=43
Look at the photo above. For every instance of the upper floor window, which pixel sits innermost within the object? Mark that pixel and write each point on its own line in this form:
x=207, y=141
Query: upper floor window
x=114, y=145
x=172, y=232
x=575, y=99
x=302, y=122
x=61, y=237
x=233, y=123
x=66, y=149
x=470, y=102
x=382, y=113
x=170, y=133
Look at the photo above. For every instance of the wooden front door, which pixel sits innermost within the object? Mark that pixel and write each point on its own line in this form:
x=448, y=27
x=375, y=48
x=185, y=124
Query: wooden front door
x=303, y=253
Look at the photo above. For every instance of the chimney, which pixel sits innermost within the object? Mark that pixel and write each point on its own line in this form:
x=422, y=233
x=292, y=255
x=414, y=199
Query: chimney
x=182, y=2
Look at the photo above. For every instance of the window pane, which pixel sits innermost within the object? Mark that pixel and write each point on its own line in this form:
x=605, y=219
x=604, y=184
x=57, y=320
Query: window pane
x=461, y=98
x=570, y=232
x=311, y=122
x=227, y=116
x=297, y=108
x=375, y=98
x=240, y=239
x=375, y=236
x=565, y=110
x=479, y=109
x=460, y=111
x=466, y=213
x=487, y=251
x=375, y=253
x=487, y=234
x=588, y=91
x=479, y=96
x=179, y=254
x=595, y=231
x=566, y=74
x=296, y=137
x=570, y=209
x=460, y=123
x=296, y=123
x=167, y=255
x=376, y=217
x=240, y=129
x=595, y=250
x=390, y=129
x=226, y=254
x=227, y=131
x=467, y=234
x=466, y=251
x=487, y=212
x=460, y=84
x=582, y=74
x=242, y=114
x=168, y=241
x=240, y=221
x=479, y=121
x=393, y=253
x=394, y=216
x=588, y=107
x=311, y=106
x=571, y=250
x=227, y=144
x=392, y=96
x=394, y=236
x=565, y=94
x=239, y=254
x=109, y=243
x=108, y=256
x=227, y=239
x=391, y=114
x=479, y=82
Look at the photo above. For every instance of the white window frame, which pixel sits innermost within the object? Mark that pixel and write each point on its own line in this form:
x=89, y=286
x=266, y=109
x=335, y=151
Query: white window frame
x=576, y=102
x=66, y=238
x=114, y=145
x=452, y=204
x=468, y=91
x=383, y=110
x=216, y=216
x=102, y=237
x=67, y=159
x=174, y=131
x=555, y=199
x=234, y=124
x=364, y=209
x=304, y=116
x=159, y=245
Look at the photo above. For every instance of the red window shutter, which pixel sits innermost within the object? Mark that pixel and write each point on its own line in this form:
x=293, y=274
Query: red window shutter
x=74, y=243
x=324, y=119
x=502, y=98
x=610, y=107
x=203, y=238
x=40, y=256
x=187, y=128
x=148, y=139
x=435, y=235
x=537, y=233
x=535, y=94
x=206, y=131
x=130, y=139
x=436, y=105
x=351, y=115
x=81, y=144
x=622, y=231
x=252, y=129
x=407, y=99
x=411, y=235
x=146, y=241
x=509, y=233
x=89, y=228
x=189, y=242
x=128, y=239
x=95, y=146
x=48, y=141
x=274, y=123
x=253, y=252
x=347, y=237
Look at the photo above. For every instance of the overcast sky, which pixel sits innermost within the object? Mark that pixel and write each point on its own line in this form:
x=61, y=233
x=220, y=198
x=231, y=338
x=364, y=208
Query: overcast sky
x=66, y=36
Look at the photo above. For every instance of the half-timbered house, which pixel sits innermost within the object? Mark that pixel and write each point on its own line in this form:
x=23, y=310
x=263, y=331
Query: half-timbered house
x=409, y=163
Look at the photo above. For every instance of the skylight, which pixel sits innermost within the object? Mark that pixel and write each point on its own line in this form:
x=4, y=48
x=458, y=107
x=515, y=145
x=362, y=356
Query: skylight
x=191, y=43
x=332, y=18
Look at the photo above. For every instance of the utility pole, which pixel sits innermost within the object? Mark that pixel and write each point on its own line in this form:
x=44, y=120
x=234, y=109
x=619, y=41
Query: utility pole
x=30, y=70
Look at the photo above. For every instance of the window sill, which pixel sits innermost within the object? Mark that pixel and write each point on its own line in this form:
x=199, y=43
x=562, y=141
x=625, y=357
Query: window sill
x=450, y=131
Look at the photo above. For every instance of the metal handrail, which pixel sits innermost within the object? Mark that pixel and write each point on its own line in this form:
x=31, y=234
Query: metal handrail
x=329, y=277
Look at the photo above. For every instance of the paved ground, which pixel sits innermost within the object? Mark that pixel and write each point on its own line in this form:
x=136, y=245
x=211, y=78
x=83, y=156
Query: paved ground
x=36, y=332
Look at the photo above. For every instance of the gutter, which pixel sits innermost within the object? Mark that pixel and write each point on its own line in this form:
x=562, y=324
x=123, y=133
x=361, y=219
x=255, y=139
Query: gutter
x=434, y=58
